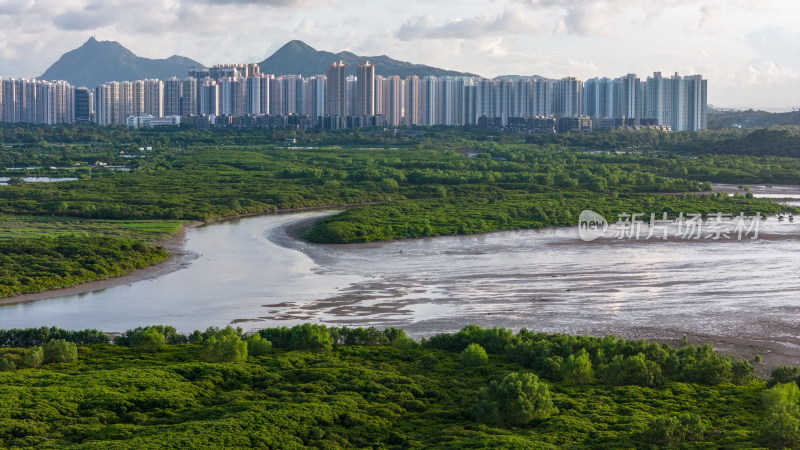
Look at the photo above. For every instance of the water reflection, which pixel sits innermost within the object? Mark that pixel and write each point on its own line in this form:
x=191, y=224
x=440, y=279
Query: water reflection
x=252, y=273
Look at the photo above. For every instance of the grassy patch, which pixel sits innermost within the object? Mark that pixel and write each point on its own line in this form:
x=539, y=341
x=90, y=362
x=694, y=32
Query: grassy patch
x=17, y=226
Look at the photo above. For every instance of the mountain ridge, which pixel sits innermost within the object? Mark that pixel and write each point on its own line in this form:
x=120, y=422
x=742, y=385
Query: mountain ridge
x=298, y=58
x=97, y=62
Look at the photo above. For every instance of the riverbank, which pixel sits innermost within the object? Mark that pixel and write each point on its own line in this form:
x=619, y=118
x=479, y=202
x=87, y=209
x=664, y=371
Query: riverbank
x=363, y=303
x=178, y=258
x=544, y=280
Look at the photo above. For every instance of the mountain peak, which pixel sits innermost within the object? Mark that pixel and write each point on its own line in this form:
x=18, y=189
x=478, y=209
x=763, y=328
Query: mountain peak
x=295, y=48
x=97, y=62
x=298, y=58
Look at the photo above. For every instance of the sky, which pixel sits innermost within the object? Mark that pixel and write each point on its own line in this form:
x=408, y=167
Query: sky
x=749, y=51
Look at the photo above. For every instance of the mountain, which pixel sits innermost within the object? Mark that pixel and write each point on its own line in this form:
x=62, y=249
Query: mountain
x=299, y=58
x=97, y=62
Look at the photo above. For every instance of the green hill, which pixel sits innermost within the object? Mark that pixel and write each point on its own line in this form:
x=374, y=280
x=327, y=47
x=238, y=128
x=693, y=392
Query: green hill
x=297, y=57
x=718, y=119
x=97, y=62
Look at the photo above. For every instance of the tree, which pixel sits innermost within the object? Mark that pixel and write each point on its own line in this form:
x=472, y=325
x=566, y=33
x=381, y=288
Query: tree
x=310, y=337
x=147, y=340
x=224, y=347
x=474, y=355
x=6, y=365
x=636, y=370
x=429, y=362
x=517, y=400
x=60, y=351
x=258, y=346
x=34, y=357
x=781, y=428
x=673, y=430
x=578, y=368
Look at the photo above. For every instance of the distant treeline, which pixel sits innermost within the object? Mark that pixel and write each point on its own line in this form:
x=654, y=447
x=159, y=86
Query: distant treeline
x=34, y=265
x=751, y=119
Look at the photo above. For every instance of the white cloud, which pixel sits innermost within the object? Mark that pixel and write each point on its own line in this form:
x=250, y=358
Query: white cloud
x=734, y=43
x=767, y=72
x=427, y=27
x=775, y=44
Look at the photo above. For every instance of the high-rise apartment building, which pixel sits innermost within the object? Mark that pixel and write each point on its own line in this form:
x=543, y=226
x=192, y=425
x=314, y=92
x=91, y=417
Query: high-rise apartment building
x=336, y=91
x=411, y=100
x=365, y=90
x=265, y=83
x=629, y=97
x=239, y=90
x=172, y=97
x=317, y=94
x=253, y=93
x=189, y=95
x=567, y=97
x=391, y=95
x=276, y=97
x=598, y=98
x=696, y=102
x=208, y=100
x=84, y=104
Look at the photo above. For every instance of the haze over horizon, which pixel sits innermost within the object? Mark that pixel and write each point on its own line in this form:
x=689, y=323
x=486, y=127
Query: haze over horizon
x=749, y=53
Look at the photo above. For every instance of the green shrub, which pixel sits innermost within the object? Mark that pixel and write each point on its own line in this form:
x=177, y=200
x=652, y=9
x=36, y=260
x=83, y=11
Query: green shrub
x=519, y=399
x=310, y=337
x=636, y=370
x=493, y=340
x=224, y=347
x=673, y=430
x=34, y=357
x=554, y=367
x=147, y=340
x=258, y=346
x=404, y=343
x=781, y=427
x=578, y=368
x=742, y=372
x=60, y=351
x=474, y=355
x=783, y=397
x=784, y=374
x=779, y=430
x=6, y=365
x=429, y=362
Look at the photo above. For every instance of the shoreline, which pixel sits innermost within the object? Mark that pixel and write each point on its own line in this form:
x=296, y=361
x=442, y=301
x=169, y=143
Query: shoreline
x=290, y=235
x=773, y=352
x=178, y=258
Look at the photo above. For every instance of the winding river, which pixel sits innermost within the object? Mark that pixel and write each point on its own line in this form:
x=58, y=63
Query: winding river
x=252, y=273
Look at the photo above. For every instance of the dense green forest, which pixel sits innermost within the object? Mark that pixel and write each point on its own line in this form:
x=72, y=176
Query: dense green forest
x=34, y=265
x=331, y=387
x=314, y=386
x=416, y=182
x=448, y=216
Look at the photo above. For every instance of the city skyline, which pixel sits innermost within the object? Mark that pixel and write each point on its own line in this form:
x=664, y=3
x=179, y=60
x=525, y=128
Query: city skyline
x=750, y=53
x=241, y=93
